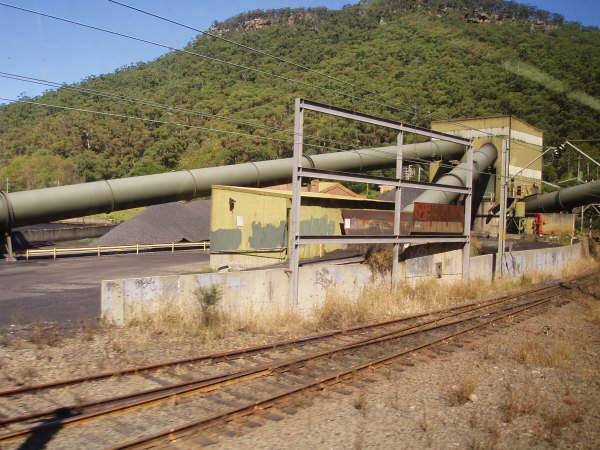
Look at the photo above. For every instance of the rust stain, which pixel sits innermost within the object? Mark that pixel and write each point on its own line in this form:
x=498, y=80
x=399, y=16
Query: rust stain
x=427, y=218
x=361, y=222
x=438, y=218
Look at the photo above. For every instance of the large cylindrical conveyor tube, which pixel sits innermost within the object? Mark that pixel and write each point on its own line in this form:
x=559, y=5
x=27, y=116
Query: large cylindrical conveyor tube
x=62, y=202
x=564, y=199
x=482, y=160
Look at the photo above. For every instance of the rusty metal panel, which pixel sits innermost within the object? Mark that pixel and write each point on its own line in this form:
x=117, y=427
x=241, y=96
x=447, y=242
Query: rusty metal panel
x=438, y=218
x=556, y=223
x=360, y=222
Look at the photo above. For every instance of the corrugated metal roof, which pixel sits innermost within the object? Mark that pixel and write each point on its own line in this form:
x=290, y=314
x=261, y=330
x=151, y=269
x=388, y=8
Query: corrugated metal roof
x=288, y=194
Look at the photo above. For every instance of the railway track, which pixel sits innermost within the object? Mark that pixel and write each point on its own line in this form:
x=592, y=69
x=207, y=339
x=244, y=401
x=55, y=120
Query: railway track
x=146, y=404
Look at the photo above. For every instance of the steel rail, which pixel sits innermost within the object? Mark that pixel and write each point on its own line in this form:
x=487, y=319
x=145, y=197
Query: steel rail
x=321, y=383
x=213, y=382
x=256, y=349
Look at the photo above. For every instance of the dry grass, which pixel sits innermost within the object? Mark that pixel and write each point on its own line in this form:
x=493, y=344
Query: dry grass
x=554, y=420
x=476, y=246
x=518, y=401
x=45, y=335
x=202, y=317
x=360, y=401
x=534, y=354
x=379, y=258
x=460, y=393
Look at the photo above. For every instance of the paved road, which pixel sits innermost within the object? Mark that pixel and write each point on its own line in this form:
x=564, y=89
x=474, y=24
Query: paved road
x=68, y=289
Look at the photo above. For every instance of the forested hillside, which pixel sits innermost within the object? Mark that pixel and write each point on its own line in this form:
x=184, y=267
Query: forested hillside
x=430, y=59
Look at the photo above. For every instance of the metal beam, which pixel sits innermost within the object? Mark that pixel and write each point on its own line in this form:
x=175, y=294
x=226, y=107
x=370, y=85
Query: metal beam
x=467, y=221
x=345, y=176
x=551, y=184
x=584, y=154
x=382, y=239
x=397, y=208
x=367, y=118
x=503, y=200
x=296, y=200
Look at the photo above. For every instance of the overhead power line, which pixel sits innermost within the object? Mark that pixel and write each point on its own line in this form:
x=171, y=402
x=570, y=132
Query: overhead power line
x=385, y=156
x=162, y=122
x=120, y=97
x=258, y=51
x=207, y=57
x=240, y=66
x=414, y=109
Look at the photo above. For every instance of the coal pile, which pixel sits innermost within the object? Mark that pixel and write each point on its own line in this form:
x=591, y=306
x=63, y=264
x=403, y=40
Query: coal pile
x=408, y=196
x=160, y=224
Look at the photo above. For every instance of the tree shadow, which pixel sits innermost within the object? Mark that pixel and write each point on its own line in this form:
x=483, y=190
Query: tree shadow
x=45, y=431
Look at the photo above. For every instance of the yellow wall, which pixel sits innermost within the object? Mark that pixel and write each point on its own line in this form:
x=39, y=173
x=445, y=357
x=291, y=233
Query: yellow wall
x=258, y=224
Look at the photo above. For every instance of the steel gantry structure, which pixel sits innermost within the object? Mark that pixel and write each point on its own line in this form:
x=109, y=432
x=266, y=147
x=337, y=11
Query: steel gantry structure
x=299, y=171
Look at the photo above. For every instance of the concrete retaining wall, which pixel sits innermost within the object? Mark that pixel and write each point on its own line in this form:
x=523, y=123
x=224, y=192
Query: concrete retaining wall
x=267, y=290
x=258, y=290
x=547, y=260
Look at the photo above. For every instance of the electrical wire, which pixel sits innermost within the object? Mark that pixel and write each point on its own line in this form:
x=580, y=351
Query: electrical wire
x=385, y=156
x=200, y=55
x=414, y=109
x=258, y=51
x=240, y=66
x=121, y=97
x=162, y=122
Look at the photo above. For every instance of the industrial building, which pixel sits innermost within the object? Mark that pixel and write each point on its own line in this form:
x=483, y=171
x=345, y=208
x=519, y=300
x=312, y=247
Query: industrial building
x=250, y=227
x=523, y=145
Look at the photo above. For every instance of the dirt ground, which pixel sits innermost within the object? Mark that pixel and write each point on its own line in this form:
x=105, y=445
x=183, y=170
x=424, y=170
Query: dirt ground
x=533, y=384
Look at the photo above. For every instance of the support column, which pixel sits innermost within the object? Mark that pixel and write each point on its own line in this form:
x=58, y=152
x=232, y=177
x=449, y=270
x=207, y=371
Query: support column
x=397, y=210
x=10, y=256
x=294, y=253
x=467, y=222
x=502, y=213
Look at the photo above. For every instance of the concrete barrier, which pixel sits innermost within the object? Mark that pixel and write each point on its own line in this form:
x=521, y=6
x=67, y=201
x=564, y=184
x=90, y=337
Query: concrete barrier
x=267, y=290
x=545, y=260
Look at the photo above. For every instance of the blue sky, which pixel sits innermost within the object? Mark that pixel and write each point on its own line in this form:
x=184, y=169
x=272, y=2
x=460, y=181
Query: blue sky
x=43, y=48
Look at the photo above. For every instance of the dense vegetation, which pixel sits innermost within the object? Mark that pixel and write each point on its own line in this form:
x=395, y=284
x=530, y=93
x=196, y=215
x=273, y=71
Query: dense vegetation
x=427, y=59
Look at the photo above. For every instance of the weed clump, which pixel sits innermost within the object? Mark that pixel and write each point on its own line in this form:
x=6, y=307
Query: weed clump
x=461, y=393
x=42, y=336
x=379, y=258
x=208, y=297
x=532, y=354
x=476, y=246
x=518, y=402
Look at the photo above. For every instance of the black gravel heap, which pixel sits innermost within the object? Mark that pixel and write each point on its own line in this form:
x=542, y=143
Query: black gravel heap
x=158, y=224
x=408, y=196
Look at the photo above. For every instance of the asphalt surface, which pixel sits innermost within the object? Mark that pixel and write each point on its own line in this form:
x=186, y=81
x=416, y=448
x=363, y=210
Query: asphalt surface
x=68, y=289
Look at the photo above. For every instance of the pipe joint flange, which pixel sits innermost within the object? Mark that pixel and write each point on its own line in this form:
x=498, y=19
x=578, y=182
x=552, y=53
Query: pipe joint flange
x=310, y=161
x=113, y=201
x=195, y=193
x=457, y=177
x=257, y=173
x=7, y=214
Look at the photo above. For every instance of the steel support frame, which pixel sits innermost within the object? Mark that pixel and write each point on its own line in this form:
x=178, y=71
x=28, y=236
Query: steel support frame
x=8, y=247
x=299, y=172
x=503, y=203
